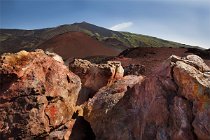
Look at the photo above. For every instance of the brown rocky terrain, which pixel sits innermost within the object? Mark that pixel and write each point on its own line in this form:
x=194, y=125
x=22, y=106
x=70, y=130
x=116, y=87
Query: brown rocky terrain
x=41, y=98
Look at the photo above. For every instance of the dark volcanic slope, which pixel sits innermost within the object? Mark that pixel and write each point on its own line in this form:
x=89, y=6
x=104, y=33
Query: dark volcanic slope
x=77, y=44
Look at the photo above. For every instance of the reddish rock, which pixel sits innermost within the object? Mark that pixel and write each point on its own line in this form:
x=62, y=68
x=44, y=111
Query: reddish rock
x=142, y=113
x=182, y=118
x=95, y=76
x=201, y=122
x=107, y=97
x=37, y=96
x=172, y=103
x=193, y=78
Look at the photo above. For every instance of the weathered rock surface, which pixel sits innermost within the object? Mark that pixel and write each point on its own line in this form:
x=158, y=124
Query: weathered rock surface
x=193, y=79
x=107, y=97
x=173, y=103
x=95, y=76
x=55, y=56
x=181, y=118
x=37, y=96
x=142, y=113
x=41, y=98
x=134, y=69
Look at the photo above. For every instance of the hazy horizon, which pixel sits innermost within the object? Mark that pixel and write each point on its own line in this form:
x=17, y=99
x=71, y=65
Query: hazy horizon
x=179, y=21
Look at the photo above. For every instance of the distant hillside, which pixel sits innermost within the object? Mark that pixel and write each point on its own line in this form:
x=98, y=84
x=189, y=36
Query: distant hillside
x=13, y=40
x=77, y=44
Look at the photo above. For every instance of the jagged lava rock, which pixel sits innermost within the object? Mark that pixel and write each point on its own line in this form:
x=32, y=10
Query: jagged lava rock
x=107, y=97
x=141, y=113
x=172, y=103
x=37, y=96
x=134, y=69
x=94, y=76
x=193, y=78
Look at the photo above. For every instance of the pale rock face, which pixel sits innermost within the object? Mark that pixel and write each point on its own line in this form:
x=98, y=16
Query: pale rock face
x=55, y=56
x=198, y=62
x=38, y=96
x=95, y=76
x=192, y=60
x=117, y=69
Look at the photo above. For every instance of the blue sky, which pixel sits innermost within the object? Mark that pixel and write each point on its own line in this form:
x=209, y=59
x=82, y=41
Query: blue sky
x=185, y=21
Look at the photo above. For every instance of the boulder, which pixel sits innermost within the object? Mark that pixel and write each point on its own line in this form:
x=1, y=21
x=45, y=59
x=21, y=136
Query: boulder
x=94, y=76
x=106, y=98
x=37, y=96
x=193, y=79
x=140, y=113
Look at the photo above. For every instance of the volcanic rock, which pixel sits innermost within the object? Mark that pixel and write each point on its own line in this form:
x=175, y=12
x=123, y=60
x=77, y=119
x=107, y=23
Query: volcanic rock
x=41, y=99
x=94, y=76
x=142, y=113
x=55, y=56
x=172, y=103
x=194, y=84
x=181, y=117
x=107, y=97
x=37, y=96
x=134, y=69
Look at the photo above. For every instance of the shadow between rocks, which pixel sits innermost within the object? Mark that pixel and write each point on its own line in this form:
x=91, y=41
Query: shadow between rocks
x=82, y=130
